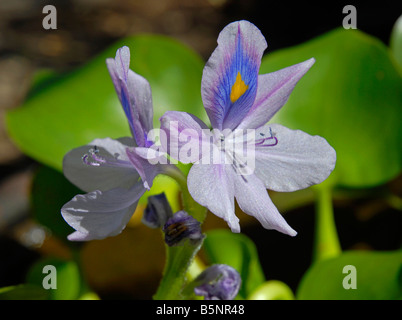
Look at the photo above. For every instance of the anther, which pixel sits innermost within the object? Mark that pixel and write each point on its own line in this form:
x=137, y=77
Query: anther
x=269, y=141
x=92, y=158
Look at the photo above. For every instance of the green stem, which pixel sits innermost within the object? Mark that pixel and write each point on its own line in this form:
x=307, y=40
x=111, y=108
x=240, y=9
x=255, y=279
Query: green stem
x=190, y=206
x=326, y=238
x=179, y=258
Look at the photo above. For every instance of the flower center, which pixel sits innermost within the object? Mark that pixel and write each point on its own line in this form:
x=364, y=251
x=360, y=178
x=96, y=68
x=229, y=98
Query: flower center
x=238, y=149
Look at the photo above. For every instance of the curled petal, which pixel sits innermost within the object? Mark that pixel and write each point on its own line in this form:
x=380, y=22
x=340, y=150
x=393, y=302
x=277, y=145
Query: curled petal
x=141, y=99
x=297, y=161
x=273, y=92
x=98, y=214
x=146, y=169
x=89, y=178
x=134, y=93
x=118, y=69
x=157, y=212
x=254, y=200
x=229, y=80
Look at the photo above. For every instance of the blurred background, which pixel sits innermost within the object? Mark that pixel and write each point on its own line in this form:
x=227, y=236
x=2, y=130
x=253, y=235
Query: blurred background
x=84, y=29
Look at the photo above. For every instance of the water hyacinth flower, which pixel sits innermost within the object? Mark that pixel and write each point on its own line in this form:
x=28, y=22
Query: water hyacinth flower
x=237, y=98
x=182, y=227
x=112, y=171
x=218, y=282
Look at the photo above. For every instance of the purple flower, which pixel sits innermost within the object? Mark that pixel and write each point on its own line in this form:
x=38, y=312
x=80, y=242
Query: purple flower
x=113, y=168
x=218, y=282
x=238, y=99
x=134, y=93
x=182, y=227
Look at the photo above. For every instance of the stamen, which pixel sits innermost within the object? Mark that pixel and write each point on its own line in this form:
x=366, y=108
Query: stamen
x=95, y=155
x=92, y=158
x=240, y=167
x=238, y=163
x=89, y=163
x=272, y=140
x=236, y=169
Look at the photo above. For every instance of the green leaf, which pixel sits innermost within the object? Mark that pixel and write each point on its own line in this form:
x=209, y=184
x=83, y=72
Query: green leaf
x=50, y=191
x=68, y=280
x=67, y=111
x=396, y=42
x=378, y=277
x=167, y=185
x=23, y=292
x=272, y=290
x=238, y=251
x=352, y=97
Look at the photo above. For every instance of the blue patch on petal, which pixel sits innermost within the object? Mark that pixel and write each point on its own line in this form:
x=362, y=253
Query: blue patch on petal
x=241, y=62
x=126, y=107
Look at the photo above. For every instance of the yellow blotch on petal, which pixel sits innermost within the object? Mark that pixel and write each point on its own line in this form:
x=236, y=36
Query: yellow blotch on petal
x=238, y=88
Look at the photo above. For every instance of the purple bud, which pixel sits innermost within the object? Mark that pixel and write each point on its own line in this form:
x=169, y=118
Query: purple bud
x=157, y=212
x=218, y=282
x=180, y=227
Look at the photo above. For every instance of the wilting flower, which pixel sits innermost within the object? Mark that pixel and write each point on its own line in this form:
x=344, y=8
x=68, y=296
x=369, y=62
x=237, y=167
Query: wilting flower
x=113, y=168
x=157, y=212
x=218, y=282
x=237, y=99
x=182, y=227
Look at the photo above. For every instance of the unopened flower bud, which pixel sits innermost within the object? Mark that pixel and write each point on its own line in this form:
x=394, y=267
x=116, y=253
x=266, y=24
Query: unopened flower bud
x=180, y=227
x=218, y=282
x=157, y=212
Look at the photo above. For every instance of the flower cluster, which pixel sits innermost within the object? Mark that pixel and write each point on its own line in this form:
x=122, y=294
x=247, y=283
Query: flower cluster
x=235, y=96
x=239, y=102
